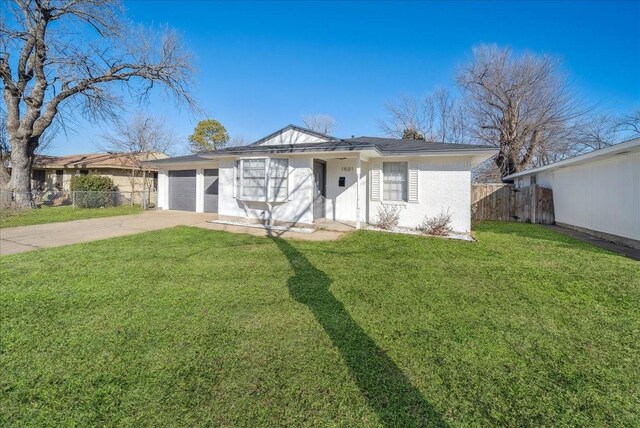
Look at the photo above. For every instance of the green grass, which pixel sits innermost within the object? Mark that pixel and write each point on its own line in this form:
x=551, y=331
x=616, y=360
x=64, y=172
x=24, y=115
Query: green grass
x=190, y=327
x=11, y=218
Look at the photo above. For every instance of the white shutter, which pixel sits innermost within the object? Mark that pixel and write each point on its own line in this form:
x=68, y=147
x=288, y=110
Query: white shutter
x=376, y=178
x=413, y=183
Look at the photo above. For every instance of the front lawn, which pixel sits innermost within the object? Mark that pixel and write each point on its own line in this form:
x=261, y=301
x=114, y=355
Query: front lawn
x=45, y=214
x=191, y=327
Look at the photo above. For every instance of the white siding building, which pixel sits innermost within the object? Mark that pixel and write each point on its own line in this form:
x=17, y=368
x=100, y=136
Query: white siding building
x=598, y=192
x=297, y=176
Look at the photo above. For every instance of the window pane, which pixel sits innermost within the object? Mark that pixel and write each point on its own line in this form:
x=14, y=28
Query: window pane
x=394, y=181
x=278, y=178
x=253, y=178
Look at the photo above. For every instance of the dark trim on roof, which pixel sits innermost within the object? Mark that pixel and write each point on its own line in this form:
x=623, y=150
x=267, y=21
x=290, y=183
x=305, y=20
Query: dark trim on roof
x=296, y=128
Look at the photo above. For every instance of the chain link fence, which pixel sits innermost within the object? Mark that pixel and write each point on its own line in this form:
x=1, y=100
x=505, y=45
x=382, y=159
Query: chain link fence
x=77, y=199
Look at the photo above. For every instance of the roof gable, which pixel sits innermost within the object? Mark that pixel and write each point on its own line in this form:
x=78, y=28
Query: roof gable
x=292, y=134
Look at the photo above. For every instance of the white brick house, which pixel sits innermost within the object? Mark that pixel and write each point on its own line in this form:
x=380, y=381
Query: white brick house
x=297, y=176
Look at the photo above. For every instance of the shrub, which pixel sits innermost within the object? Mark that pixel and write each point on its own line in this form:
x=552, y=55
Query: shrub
x=437, y=226
x=92, y=183
x=93, y=191
x=388, y=216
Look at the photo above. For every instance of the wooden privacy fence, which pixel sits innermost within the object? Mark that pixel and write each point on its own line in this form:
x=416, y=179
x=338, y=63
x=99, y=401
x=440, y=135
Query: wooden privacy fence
x=533, y=204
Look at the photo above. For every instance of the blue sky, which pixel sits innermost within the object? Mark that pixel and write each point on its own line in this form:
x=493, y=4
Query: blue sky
x=264, y=65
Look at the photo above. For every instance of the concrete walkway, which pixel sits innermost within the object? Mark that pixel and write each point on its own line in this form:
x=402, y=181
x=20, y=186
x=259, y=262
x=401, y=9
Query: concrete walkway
x=28, y=238
x=632, y=253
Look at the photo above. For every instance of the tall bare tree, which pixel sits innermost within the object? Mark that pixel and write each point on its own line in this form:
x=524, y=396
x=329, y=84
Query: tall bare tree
x=5, y=151
x=523, y=105
x=141, y=138
x=46, y=141
x=238, y=140
x=321, y=123
x=629, y=124
x=438, y=116
x=61, y=58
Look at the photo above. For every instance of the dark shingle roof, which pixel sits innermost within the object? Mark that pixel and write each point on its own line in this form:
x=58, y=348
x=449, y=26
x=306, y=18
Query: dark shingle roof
x=384, y=146
x=395, y=145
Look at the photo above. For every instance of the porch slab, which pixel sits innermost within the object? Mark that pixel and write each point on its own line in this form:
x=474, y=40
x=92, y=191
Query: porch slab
x=335, y=225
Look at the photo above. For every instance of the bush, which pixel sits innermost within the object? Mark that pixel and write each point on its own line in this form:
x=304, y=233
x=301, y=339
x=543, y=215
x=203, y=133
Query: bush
x=92, y=183
x=93, y=191
x=437, y=226
x=388, y=216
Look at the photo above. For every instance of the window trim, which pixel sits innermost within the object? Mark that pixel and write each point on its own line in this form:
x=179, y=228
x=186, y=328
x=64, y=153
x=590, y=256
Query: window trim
x=405, y=195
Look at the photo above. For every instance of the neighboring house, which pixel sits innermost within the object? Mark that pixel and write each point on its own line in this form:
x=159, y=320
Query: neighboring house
x=297, y=176
x=597, y=192
x=55, y=172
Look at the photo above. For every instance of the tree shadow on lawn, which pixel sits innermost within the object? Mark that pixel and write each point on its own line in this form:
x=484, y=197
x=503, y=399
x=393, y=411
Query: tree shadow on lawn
x=385, y=387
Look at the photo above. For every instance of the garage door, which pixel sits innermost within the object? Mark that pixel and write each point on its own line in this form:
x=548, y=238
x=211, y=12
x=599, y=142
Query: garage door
x=211, y=190
x=182, y=190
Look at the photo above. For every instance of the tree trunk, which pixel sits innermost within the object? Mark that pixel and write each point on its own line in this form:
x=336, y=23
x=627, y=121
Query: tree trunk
x=21, y=165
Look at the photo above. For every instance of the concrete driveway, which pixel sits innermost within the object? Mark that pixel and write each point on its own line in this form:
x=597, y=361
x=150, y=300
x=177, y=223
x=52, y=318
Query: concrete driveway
x=28, y=238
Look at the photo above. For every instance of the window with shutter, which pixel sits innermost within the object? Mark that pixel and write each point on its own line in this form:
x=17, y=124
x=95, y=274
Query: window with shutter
x=394, y=177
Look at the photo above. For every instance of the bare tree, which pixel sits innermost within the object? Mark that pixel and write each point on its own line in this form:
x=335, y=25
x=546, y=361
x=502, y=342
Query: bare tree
x=46, y=142
x=5, y=151
x=409, y=113
x=629, y=124
x=486, y=172
x=523, y=105
x=237, y=141
x=437, y=116
x=321, y=123
x=140, y=139
x=61, y=58
x=412, y=134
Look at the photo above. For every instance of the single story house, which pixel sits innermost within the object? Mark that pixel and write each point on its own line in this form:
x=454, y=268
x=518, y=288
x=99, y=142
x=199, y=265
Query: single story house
x=298, y=176
x=597, y=192
x=55, y=172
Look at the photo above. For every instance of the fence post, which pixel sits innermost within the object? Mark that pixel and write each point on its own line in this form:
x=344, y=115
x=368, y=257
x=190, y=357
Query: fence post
x=73, y=200
x=534, y=203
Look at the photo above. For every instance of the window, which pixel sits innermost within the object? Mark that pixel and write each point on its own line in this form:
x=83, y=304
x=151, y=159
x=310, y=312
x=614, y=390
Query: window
x=394, y=181
x=252, y=179
x=278, y=179
x=84, y=172
x=534, y=179
x=59, y=179
x=38, y=177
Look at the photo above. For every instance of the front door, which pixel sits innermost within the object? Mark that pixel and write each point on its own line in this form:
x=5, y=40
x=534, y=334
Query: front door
x=320, y=188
